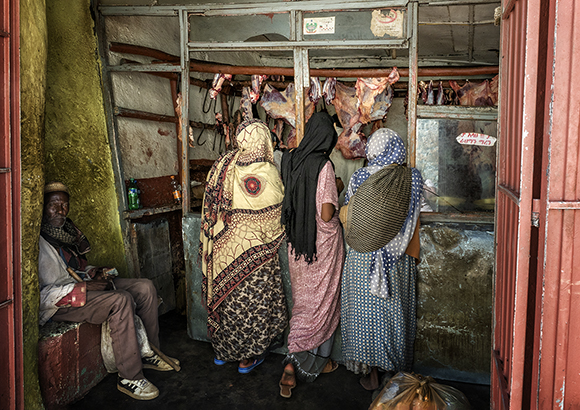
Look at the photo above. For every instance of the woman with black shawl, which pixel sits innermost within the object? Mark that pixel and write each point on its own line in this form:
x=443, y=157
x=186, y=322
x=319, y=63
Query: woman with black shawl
x=315, y=252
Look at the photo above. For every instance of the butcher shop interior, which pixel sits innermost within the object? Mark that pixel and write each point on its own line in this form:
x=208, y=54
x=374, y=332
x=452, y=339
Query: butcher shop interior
x=178, y=77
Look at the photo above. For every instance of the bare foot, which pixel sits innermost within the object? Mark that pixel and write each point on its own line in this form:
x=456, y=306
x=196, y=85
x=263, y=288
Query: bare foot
x=288, y=381
x=288, y=377
x=246, y=363
x=371, y=381
x=331, y=366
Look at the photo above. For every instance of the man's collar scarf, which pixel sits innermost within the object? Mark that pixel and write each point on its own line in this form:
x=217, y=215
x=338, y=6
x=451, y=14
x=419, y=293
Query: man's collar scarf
x=68, y=237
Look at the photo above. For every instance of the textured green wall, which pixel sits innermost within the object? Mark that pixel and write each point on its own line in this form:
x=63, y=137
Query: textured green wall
x=33, y=42
x=77, y=148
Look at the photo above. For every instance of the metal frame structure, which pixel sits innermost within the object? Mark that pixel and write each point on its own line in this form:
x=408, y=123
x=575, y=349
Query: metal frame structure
x=296, y=44
x=300, y=48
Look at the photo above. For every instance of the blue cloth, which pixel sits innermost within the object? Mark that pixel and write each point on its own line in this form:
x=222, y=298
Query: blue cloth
x=385, y=147
x=378, y=331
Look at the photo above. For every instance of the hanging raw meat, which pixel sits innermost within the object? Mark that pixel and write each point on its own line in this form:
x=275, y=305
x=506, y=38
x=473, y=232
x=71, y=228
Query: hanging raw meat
x=422, y=91
x=329, y=90
x=315, y=92
x=256, y=84
x=291, y=142
x=278, y=130
x=480, y=95
x=345, y=103
x=493, y=86
x=352, y=144
x=382, y=103
x=430, y=94
x=217, y=83
x=441, y=99
x=246, y=103
x=366, y=91
x=281, y=104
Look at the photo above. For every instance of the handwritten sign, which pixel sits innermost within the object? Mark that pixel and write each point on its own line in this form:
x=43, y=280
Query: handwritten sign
x=388, y=22
x=472, y=138
x=322, y=25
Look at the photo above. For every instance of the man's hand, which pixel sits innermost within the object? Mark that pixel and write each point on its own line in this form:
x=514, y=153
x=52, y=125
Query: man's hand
x=102, y=274
x=99, y=285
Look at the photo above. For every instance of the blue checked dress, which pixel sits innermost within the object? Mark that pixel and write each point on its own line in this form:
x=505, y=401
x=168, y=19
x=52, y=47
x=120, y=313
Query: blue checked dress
x=378, y=331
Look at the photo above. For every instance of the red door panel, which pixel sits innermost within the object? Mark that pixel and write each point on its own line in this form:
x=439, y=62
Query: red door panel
x=11, y=387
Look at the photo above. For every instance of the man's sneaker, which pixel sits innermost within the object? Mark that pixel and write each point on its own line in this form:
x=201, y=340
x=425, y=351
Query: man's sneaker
x=157, y=363
x=141, y=389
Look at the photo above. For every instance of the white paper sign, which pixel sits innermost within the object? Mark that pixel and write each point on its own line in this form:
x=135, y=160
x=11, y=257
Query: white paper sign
x=472, y=138
x=389, y=22
x=322, y=25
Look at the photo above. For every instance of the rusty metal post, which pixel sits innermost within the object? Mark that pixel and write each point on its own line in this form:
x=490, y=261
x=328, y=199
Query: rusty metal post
x=184, y=164
x=413, y=67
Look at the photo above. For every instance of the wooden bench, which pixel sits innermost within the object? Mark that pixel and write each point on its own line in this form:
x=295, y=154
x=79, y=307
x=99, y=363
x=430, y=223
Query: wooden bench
x=69, y=362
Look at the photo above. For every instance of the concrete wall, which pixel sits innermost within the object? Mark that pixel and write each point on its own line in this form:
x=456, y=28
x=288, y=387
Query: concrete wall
x=77, y=146
x=33, y=55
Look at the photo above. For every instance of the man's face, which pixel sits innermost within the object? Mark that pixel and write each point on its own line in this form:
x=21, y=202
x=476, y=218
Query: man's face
x=56, y=208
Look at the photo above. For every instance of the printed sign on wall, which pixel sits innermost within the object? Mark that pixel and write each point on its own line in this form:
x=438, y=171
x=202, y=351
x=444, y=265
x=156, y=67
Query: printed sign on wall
x=390, y=22
x=322, y=25
x=472, y=138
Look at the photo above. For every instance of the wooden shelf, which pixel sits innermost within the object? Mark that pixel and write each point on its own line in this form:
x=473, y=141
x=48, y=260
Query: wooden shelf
x=139, y=213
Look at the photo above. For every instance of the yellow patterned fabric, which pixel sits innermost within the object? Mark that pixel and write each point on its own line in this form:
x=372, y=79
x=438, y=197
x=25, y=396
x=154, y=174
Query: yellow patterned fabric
x=240, y=227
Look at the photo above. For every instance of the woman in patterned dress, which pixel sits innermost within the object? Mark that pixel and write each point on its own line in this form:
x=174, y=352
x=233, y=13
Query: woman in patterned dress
x=378, y=305
x=315, y=252
x=239, y=242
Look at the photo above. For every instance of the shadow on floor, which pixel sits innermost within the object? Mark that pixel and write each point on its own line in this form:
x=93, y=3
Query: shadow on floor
x=202, y=385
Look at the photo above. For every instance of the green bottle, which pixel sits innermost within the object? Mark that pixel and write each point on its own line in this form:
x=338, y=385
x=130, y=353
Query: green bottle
x=133, y=194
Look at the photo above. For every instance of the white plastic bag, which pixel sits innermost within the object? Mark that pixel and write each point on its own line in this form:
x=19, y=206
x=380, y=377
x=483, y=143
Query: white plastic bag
x=107, y=344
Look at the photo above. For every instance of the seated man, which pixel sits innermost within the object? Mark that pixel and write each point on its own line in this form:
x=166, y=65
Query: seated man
x=97, y=297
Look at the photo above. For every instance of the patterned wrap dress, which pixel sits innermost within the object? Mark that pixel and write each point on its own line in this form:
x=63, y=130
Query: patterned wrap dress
x=239, y=241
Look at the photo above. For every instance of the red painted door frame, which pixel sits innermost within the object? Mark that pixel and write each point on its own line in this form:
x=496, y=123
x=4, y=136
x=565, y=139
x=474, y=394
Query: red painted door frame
x=521, y=66
x=11, y=362
x=536, y=358
x=558, y=324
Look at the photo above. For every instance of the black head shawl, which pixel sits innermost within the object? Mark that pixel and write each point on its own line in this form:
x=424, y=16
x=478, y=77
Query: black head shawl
x=300, y=169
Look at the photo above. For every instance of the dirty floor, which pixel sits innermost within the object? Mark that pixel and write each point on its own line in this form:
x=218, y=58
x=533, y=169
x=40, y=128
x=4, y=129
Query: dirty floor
x=202, y=385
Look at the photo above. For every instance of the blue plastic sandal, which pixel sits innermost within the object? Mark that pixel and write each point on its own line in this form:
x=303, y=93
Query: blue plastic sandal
x=248, y=369
x=218, y=361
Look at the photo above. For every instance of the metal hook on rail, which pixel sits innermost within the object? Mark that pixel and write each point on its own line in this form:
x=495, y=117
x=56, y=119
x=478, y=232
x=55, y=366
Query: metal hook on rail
x=204, y=100
x=199, y=136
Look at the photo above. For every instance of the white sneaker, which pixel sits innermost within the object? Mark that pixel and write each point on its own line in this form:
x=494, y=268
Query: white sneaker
x=157, y=363
x=141, y=389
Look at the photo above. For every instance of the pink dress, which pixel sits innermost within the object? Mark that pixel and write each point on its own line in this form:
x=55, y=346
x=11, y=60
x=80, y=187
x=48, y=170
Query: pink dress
x=316, y=287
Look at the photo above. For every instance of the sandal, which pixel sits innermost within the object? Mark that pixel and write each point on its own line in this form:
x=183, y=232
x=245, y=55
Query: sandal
x=286, y=389
x=331, y=366
x=248, y=369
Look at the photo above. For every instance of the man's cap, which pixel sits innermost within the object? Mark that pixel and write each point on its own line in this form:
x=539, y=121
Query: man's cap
x=55, y=186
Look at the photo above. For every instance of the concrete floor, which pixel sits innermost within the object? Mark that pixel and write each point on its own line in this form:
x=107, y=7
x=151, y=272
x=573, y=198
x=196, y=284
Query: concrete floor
x=202, y=385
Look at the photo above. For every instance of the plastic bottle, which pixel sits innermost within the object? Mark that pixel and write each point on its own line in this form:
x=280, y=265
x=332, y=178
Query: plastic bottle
x=175, y=190
x=133, y=195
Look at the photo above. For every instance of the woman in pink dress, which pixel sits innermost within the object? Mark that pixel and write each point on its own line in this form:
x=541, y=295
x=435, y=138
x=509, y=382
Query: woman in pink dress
x=315, y=252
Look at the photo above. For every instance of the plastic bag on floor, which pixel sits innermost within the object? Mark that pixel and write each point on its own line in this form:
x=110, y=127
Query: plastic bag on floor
x=406, y=391
x=107, y=344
